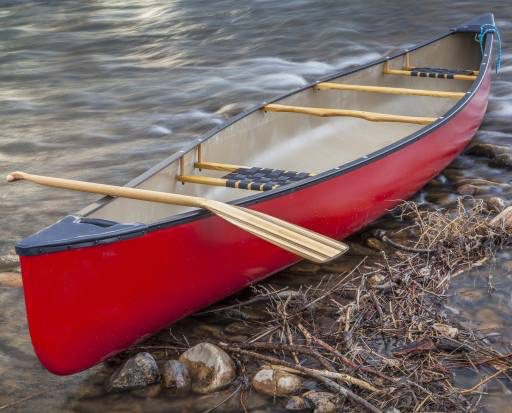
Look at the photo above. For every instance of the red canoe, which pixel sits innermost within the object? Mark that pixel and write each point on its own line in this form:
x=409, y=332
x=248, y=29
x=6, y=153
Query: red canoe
x=359, y=141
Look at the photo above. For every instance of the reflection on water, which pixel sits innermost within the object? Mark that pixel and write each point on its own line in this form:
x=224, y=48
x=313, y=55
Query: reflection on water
x=102, y=90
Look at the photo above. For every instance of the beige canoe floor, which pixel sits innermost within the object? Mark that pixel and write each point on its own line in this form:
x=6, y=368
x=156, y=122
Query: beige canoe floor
x=306, y=143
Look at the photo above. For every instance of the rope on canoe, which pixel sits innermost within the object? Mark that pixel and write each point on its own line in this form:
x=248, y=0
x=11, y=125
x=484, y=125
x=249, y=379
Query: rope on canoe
x=480, y=38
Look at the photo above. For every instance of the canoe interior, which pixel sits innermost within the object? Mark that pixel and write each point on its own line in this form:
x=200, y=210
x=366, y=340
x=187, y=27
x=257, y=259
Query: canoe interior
x=308, y=143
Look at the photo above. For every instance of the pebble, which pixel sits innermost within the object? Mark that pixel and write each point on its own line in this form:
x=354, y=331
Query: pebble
x=210, y=367
x=175, y=376
x=495, y=204
x=296, y=403
x=323, y=402
x=10, y=279
x=276, y=382
x=138, y=371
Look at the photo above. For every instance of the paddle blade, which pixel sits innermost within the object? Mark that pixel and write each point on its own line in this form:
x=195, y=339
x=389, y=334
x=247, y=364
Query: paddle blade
x=300, y=241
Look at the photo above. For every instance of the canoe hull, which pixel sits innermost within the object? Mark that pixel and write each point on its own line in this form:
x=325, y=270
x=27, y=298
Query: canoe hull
x=93, y=302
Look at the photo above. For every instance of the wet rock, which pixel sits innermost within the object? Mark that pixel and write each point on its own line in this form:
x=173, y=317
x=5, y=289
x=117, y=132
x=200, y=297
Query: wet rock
x=502, y=161
x=9, y=262
x=488, y=150
x=495, y=204
x=276, y=382
x=138, y=371
x=295, y=403
x=10, y=279
x=210, y=367
x=467, y=189
x=323, y=402
x=175, y=376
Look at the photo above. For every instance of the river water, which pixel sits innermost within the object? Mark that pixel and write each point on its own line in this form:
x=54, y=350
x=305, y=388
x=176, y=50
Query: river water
x=101, y=90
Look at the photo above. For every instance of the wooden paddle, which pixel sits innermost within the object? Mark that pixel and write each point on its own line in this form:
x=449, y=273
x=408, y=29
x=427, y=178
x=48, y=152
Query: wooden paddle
x=300, y=241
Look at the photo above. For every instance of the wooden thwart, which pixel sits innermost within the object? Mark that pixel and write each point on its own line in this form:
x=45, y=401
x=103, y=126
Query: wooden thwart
x=390, y=90
x=370, y=116
x=409, y=73
x=214, y=166
x=300, y=241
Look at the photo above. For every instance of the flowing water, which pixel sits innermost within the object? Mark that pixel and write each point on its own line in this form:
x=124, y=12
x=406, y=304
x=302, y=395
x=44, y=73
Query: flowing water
x=101, y=90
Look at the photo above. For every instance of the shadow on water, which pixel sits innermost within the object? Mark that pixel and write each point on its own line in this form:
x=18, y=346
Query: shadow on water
x=102, y=90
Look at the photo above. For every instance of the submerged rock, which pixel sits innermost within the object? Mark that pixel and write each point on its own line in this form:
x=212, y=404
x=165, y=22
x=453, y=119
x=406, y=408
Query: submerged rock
x=9, y=262
x=276, y=382
x=10, y=279
x=488, y=150
x=502, y=161
x=210, y=367
x=176, y=377
x=467, y=189
x=324, y=402
x=137, y=371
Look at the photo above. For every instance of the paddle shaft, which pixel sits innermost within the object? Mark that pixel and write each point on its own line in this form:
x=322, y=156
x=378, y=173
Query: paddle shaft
x=111, y=190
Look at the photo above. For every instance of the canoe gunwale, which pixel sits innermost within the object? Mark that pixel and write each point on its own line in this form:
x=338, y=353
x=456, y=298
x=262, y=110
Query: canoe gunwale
x=190, y=216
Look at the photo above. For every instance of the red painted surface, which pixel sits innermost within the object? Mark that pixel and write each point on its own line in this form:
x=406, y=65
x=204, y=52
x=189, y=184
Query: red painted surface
x=85, y=305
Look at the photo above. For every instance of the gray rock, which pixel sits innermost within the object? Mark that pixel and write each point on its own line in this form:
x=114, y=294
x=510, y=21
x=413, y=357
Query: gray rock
x=175, y=376
x=295, y=403
x=276, y=382
x=210, y=367
x=138, y=371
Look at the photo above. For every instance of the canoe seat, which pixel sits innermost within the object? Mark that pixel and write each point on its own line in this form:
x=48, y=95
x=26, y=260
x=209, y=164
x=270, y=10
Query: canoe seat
x=441, y=73
x=244, y=177
x=262, y=179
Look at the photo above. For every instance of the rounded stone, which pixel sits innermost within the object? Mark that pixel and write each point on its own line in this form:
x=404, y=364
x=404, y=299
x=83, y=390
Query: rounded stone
x=210, y=367
x=276, y=382
x=138, y=371
x=495, y=204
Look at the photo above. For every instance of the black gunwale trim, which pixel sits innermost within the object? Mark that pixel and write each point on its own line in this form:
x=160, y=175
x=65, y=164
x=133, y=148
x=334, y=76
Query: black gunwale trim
x=285, y=189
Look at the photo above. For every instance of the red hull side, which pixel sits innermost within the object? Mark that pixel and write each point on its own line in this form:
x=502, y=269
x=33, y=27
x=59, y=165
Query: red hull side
x=93, y=302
